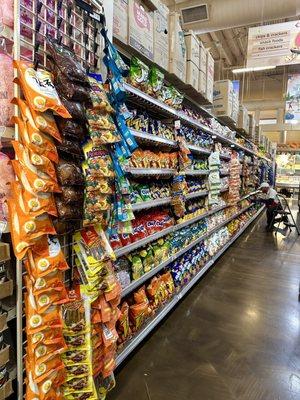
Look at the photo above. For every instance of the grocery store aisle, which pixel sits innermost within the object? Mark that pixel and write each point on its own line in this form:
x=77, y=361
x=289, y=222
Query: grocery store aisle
x=234, y=337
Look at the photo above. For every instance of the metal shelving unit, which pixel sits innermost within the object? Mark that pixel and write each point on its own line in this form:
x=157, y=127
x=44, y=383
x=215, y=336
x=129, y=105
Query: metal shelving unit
x=196, y=194
x=150, y=171
x=138, y=282
x=130, y=247
x=152, y=203
x=163, y=108
x=153, y=139
x=148, y=328
x=191, y=172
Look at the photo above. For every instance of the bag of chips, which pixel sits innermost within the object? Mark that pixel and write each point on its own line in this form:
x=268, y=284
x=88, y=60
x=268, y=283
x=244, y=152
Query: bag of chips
x=28, y=157
x=35, y=140
x=38, y=89
x=37, y=180
x=39, y=121
x=32, y=203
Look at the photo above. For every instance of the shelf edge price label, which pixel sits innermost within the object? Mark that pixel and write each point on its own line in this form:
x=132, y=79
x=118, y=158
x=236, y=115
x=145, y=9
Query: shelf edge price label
x=177, y=124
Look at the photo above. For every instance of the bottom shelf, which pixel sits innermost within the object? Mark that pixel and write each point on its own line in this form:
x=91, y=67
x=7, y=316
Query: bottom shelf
x=137, y=339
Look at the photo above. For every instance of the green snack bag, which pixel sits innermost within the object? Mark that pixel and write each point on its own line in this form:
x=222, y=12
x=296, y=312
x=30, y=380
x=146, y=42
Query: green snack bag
x=147, y=259
x=156, y=80
x=136, y=266
x=138, y=74
x=177, y=98
x=145, y=192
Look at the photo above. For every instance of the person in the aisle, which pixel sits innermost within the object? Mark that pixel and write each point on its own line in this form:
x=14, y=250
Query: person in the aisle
x=270, y=198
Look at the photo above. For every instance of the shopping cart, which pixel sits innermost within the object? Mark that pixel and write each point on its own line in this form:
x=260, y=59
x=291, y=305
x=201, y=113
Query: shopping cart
x=285, y=214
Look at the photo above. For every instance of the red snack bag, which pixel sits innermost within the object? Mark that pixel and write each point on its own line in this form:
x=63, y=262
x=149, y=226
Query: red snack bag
x=115, y=241
x=125, y=239
x=138, y=231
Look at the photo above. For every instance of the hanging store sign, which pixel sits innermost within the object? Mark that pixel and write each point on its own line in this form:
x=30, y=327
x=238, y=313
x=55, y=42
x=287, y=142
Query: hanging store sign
x=292, y=99
x=272, y=45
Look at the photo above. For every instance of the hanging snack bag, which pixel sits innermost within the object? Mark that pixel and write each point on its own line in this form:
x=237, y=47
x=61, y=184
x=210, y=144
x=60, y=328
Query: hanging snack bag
x=32, y=203
x=38, y=181
x=68, y=173
x=36, y=140
x=29, y=228
x=66, y=61
x=39, y=121
x=45, y=257
x=38, y=89
x=71, y=129
x=99, y=162
x=98, y=95
x=28, y=157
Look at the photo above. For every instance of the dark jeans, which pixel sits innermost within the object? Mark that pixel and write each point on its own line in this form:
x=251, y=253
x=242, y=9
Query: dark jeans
x=272, y=213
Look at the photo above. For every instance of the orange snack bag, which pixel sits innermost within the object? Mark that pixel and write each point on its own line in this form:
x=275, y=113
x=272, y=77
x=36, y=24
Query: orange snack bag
x=140, y=295
x=38, y=89
x=37, y=180
x=47, y=337
x=39, y=121
x=45, y=257
x=36, y=322
x=36, y=140
x=43, y=299
x=20, y=244
x=32, y=203
x=30, y=228
x=47, y=389
x=28, y=157
x=42, y=352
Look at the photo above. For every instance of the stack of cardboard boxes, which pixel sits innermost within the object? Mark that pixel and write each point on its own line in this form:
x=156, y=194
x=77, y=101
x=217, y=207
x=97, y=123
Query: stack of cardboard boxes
x=177, y=48
x=243, y=119
x=226, y=100
x=158, y=36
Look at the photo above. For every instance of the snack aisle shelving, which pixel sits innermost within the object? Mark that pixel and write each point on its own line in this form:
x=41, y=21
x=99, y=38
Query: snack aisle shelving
x=158, y=105
x=154, y=104
x=148, y=275
x=148, y=328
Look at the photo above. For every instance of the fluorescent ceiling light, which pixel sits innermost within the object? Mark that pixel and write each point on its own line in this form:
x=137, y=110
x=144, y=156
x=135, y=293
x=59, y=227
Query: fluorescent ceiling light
x=251, y=69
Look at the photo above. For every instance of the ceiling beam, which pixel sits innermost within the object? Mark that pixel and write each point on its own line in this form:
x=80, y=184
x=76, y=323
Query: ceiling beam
x=222, y=47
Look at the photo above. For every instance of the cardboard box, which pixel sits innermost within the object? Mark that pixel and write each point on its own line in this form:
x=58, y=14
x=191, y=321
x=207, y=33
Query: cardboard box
x=223, y=98
x=120, y=21
x=235, y=106
x=243, y=119
x=6, y=289
x=210, y=90
x=3, y=318
x=202, y=83
x=192, y=75
x=4, y=355
x=140, y=32
x=210, y=71
x=192, y=48
x=202, y=57
x=161, y=36
x=4, y=252
x=177, y=48
x=6, y=390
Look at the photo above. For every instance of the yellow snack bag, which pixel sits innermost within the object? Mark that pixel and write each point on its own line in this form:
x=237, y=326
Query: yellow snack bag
x=39, y=121
x=38, y=89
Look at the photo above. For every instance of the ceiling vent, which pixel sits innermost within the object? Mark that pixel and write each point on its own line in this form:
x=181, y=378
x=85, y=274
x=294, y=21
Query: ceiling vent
x=194, y=14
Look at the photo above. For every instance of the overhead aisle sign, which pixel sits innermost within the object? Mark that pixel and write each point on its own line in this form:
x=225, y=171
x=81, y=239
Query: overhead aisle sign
x=271, y=45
